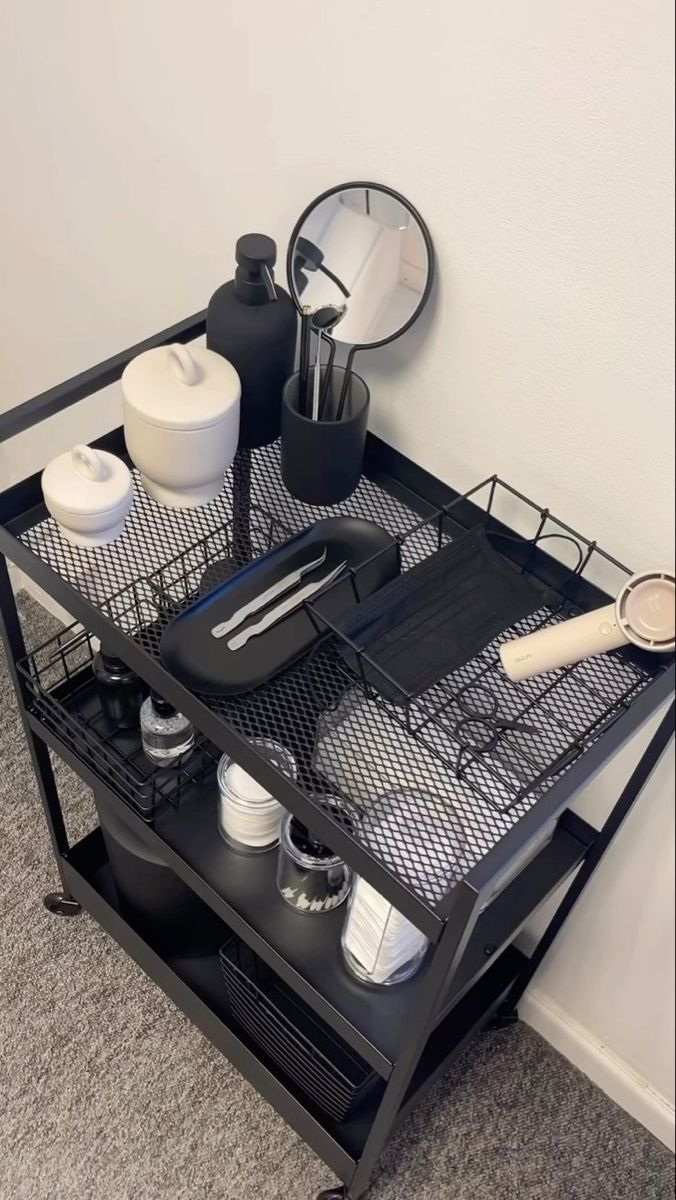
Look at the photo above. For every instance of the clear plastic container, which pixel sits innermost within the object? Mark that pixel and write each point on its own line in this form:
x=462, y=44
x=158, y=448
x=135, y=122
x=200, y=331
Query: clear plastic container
x=249, y=817
x=310, y=877
x=379, y=944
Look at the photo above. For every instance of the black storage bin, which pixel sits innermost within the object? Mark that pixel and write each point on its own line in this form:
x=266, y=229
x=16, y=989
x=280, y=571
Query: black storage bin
x=312, y=1056
x=163, y=908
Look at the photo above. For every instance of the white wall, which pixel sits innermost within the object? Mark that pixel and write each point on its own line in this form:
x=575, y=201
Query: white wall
x=605, y=995
x=140, y=138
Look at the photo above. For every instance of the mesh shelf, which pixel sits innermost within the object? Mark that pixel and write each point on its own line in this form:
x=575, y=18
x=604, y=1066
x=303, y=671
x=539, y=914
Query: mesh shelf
x=345, y=737
x=153, y=534
x=64, y=697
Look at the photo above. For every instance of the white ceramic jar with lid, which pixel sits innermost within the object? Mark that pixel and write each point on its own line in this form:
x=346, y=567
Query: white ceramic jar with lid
x=181, y=422
x=89, y=493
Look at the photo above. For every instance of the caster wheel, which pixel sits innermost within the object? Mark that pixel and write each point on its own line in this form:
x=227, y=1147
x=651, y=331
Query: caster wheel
x=333, y=1194
x=503, y=1020
x=60, y=905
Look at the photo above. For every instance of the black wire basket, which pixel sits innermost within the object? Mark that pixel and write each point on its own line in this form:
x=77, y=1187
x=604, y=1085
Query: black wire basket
x=542, y=725
x=62, y=694
x=289, y=1033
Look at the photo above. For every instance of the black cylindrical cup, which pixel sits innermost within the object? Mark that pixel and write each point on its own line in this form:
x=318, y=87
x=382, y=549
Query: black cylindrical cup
x=322, y=460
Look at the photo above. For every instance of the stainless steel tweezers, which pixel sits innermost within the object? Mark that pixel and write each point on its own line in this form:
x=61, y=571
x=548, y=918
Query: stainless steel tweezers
x=283, y=609
x=265, y=598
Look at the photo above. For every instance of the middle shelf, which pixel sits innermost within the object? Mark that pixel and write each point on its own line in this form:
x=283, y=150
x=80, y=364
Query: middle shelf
x=303, y=950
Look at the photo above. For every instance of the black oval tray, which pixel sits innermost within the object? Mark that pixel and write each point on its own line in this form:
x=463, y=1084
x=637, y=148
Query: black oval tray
x=205, y=664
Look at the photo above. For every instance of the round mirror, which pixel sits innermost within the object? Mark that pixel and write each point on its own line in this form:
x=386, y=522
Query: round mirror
x=363, y=249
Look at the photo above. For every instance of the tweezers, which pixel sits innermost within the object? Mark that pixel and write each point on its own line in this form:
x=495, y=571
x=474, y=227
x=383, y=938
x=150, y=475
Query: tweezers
x=265, y=598
x=283, y=609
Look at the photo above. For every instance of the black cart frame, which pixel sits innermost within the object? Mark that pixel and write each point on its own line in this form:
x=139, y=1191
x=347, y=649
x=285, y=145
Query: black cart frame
x=474, y=975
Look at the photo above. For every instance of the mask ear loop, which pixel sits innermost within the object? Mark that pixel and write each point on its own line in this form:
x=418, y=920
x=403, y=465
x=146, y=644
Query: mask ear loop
x=554, y=599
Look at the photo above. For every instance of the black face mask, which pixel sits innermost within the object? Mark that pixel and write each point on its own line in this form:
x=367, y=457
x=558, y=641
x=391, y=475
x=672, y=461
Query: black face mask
x=439, y=615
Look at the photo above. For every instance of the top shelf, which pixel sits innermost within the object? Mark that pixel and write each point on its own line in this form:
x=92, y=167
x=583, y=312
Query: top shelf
x=346, y=739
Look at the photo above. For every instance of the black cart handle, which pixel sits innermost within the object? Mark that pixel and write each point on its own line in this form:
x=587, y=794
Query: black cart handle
x=47, y=404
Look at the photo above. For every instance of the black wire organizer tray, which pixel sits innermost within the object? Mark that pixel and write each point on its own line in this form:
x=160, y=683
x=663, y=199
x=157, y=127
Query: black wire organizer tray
x=59, y=679
x=469, y=752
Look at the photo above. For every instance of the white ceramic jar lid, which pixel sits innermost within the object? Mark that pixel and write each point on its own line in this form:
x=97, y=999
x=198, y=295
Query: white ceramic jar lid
x=86, y=481
x=174, y=387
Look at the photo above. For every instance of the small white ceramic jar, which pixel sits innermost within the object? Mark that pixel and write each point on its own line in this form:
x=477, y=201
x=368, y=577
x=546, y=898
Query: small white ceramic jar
x=89, y=493
x=181, y=422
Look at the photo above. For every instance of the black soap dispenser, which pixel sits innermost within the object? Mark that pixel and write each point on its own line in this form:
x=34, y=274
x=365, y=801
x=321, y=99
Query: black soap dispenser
x=253, y=322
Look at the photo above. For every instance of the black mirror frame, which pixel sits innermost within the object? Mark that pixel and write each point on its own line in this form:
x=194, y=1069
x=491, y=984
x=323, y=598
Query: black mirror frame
x=381, y=187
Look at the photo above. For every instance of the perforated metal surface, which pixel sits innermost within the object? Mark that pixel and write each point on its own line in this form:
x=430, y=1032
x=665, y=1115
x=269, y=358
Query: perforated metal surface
x=345, y=738
x=153, y=535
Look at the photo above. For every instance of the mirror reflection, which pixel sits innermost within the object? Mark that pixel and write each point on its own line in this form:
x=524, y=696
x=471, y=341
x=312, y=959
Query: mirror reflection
x=365, y=249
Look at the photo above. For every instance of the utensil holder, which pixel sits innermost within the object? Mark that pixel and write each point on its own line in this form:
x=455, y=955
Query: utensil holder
x=310, y=877
x=322, y=460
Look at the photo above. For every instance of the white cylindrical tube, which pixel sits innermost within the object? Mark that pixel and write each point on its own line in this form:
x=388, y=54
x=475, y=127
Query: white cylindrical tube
x=564, y=644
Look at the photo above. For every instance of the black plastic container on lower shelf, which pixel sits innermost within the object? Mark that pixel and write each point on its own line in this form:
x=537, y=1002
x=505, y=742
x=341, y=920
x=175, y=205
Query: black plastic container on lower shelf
x=162, y=907
x=318, y=1061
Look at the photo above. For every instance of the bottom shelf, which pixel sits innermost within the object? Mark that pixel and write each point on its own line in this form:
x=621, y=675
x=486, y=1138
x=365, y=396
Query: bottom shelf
x=196, y=986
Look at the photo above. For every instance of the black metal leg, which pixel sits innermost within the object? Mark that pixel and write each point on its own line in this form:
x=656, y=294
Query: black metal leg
x=446, y=957
x=504, y=1019
x=621, y=810
x=15, y=649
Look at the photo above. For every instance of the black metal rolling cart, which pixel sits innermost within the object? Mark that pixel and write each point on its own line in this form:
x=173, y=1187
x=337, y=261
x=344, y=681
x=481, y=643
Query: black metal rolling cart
x=373, y=1053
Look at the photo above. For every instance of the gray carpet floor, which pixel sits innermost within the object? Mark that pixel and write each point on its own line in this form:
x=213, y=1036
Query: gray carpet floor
x=108, y=1093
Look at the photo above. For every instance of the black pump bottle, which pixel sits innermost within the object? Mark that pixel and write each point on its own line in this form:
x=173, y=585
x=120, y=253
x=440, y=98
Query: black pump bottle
x=252, y=322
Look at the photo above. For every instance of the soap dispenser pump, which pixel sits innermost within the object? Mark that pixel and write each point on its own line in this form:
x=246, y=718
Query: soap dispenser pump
x=252, y=322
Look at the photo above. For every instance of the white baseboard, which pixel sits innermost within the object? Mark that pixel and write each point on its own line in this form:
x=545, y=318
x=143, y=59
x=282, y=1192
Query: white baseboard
x=598, y=1063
